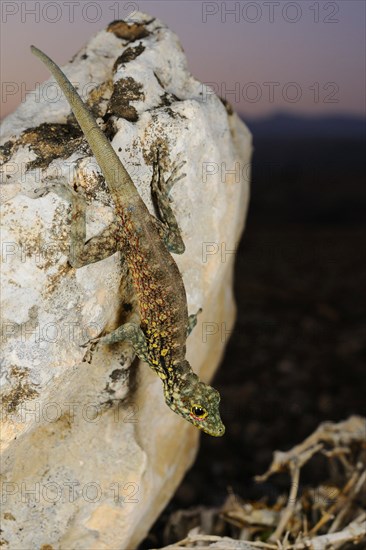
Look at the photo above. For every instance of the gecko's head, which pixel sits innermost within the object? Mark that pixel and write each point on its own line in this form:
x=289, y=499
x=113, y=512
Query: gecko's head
x=196, y=402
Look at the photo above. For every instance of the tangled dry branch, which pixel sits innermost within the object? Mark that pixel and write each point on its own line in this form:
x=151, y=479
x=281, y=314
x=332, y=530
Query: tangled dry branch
x=326, y=517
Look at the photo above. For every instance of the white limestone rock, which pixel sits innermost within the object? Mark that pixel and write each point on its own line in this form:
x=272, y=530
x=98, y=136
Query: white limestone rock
x=91, y=453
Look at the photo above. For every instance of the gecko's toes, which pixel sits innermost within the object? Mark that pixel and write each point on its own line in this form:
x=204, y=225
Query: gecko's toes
x=92, y=343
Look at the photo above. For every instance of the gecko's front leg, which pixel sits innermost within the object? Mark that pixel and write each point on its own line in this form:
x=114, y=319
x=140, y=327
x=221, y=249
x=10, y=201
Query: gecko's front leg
x=160, y=189
x=192, y=321
x=95, y=249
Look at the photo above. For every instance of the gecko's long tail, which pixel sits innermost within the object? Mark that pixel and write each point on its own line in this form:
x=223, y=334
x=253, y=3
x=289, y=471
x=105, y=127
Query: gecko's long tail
x=112, y=168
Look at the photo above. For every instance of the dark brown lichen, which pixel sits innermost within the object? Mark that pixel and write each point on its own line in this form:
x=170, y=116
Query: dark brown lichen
x=125, y=91
x=50, y=141
x=128, y=55
x=20, y=392
x=129, y=32
x=9, y=516
x=6, y=151
x=97, y=96
x=167, y=100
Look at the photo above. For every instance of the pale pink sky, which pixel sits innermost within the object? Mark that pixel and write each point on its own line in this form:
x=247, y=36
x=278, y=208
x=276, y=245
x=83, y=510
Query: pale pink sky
x=303, y=57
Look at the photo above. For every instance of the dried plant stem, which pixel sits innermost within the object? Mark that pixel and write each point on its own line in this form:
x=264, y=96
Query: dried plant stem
x=287, y=513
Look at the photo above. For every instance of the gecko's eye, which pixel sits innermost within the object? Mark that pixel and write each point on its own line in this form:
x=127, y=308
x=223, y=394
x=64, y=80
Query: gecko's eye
x=198, y=412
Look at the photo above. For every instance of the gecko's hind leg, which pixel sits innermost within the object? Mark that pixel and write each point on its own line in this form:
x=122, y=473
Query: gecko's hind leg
x=128, y=332
x=167, y=224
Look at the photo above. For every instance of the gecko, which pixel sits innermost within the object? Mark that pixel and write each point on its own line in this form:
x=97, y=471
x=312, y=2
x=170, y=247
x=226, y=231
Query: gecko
x=159, y=328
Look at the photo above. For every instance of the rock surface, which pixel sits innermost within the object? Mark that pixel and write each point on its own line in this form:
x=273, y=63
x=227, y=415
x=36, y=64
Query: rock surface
x=90, y=452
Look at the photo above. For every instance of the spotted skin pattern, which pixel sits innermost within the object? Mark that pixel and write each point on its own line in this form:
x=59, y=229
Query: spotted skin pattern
x=158, y=331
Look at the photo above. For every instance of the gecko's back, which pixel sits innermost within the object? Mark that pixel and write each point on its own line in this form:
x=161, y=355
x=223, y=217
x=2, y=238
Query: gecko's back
x=159, y=286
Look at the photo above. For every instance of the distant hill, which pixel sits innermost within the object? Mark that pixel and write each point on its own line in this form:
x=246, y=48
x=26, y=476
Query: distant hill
x=308, y=169
x=289, y=126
